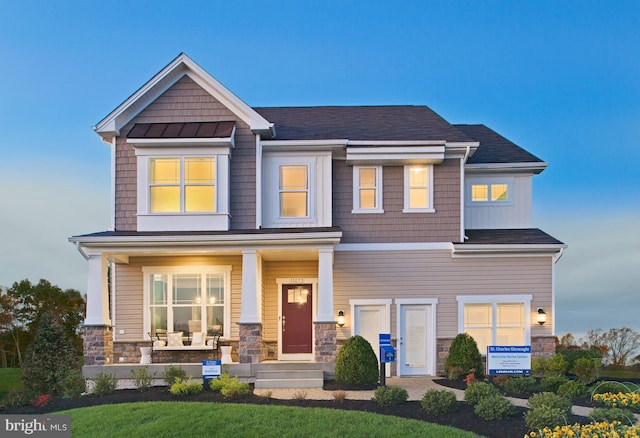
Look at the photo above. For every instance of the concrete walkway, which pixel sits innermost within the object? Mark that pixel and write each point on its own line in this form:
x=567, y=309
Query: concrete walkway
x=415, y=386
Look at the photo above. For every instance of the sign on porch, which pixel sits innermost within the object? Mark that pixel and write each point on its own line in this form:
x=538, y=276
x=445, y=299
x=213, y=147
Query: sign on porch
x=502, y=359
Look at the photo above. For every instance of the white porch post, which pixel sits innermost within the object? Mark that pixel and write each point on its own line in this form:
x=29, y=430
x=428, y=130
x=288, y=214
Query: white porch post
x=97, y=292
x=325, y=286
x=250, y=288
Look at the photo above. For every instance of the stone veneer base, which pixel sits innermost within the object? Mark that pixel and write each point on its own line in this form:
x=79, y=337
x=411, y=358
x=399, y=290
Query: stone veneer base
x=98, y=345
x=250, y=342
x=325, y=342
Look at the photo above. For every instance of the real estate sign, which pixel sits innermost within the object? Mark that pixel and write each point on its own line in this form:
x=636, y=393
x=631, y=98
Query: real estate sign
x=509, y=359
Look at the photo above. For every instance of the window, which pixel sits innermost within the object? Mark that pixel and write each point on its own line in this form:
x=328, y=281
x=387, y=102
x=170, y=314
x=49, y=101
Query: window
x=182, y=185
x=294, y=191
x=188, y=300
x=367, y=189
x=494, y=192
x=495, y=320
x=418, y=189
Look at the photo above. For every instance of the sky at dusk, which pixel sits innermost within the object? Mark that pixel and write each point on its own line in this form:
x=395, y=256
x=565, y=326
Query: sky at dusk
x=559, y=78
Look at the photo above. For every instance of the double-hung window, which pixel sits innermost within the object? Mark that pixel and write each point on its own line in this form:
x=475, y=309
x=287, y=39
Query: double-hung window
x=418, y=189
x=367, y=189
x=294, y=191
x=182, y=185
x=495, y=320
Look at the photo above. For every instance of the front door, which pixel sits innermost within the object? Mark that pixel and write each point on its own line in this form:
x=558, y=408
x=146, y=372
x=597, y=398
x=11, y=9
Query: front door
x=414, y=339
x=296, y=321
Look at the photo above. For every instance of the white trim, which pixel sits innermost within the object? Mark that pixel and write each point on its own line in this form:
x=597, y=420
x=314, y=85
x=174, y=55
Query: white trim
x=534, y=167
x=409, y=246
x=406, y=153
x=356, y=191
x=294, y=145
x=489, y=182
x=314, y=296
x=113, y=299
x=462, y=195
x=173, y=142
x=258, y=182
x=429, y=208
x=432, y=352
x=506, y=250
x=112, y=195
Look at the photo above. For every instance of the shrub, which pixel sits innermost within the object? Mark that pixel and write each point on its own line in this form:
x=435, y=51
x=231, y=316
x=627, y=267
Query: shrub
x=555, y=366
x=390, y=395
x=552, y=383
x=494, y=407
x=17, y=397
x=141, y=378
x=456, y=373
x=520, y=384
x=551, y=400
x=538, y=366
x=356, y=363
x=235, y=388
x=613, y=414
x=42, y=400
x=172, y=373
x=74, y=385
x=218, y=384
x=299, y=395
x=104, y=384
x=544, y=416
x=339, y=396
x=586, y=370
x=439, y=402
x=501, y=380
x=573, y=389
x=571, y=357
x=188, y=387
x=474, y=393
x=464, y=354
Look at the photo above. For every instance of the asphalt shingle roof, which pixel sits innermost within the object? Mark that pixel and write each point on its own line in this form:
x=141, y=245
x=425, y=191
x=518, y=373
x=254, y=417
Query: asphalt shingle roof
x=494, y=148
x=520, y=236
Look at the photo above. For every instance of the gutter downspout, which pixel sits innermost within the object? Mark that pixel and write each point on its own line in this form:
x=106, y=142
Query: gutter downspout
x=462, y=193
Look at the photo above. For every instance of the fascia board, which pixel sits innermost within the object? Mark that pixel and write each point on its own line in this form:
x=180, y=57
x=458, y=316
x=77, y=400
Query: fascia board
x=534, y=167
x=400, y=154
x=467, y=250
x=287, y=145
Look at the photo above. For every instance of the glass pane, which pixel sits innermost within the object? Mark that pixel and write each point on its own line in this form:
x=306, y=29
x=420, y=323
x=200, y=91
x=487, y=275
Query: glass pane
x=199, y=170
x=368, y=177
x=367, y=198
x=293, y=204
x=186, y=289
x=165, y=199
x=182, y=316
x=477, y=315
x=293, y=177
x=158, y=289
x=164, y=171
x=418, y=176
x=215, y=318
x=199, y=198
x=158, y=318
x=499, y=192
x=479, y=192
x=418, y=198
x=482, y=338
x=511, y=336
x=298, y=295
x=215, y=289
x=510, y=315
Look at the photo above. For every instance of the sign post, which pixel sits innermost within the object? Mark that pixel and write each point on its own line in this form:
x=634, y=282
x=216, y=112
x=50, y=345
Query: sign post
x=387, y=355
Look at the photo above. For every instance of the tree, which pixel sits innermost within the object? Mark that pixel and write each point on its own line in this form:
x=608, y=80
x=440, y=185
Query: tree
x=567, y=342
x=9, y=323
x=622, y=342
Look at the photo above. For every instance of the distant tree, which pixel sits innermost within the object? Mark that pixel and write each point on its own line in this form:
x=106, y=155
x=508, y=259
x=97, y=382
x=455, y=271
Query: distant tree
x=622, y=343
x=567, y=342
x=9, y=326
x=595, y=340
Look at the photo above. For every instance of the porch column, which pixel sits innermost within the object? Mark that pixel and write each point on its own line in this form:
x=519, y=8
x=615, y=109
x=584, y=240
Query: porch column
x=325, y=321
x=98, y=339
x=250, y=330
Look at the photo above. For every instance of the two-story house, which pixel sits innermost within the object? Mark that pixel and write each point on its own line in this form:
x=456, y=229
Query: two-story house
x=288, y=229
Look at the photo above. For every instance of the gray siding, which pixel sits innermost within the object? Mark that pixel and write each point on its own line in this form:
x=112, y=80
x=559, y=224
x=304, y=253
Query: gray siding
x=393, y=225
x=515, y=215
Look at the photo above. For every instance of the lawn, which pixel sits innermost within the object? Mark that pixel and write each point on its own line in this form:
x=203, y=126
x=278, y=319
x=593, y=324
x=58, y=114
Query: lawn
x=620, y=374
x=167, y=419
x=9, y=379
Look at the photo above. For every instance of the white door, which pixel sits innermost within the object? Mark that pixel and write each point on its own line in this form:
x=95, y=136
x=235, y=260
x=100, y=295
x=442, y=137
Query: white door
x=415, y=338
x=370, y=321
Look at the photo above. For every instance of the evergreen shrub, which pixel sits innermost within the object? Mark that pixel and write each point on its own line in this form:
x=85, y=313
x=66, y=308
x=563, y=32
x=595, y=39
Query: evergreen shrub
x=476, y=392
x=464, y=355
x=356, y=363
x=390, y=395
x=439, y=402
x=494, y=407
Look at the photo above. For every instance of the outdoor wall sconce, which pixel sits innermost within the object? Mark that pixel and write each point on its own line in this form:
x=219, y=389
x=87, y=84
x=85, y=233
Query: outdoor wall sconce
x=542, y=316
x=341, y=318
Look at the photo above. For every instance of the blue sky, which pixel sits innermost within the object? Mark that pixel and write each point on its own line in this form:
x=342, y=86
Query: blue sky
x=561, y=79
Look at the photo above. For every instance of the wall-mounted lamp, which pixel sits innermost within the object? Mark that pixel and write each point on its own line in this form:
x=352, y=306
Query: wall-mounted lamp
x=341, y=318
x=542, y=316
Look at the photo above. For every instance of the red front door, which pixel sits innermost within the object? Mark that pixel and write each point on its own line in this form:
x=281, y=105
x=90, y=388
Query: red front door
x=297, y=305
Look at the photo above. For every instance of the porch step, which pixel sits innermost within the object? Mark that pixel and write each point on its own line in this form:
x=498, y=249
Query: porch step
x=289, y=378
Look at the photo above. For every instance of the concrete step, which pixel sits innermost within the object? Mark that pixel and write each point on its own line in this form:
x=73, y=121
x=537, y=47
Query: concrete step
x=289, y=379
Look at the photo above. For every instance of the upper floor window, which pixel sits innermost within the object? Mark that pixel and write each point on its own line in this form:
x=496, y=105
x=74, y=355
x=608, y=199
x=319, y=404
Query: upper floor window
x=294, y=191
x=182, y=185
x=418, y=189
x=490, y=192
x=367, y=189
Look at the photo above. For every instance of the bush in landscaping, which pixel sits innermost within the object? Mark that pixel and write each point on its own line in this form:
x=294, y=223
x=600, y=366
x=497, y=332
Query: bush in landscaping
x=474, y=393
x=17, y=397
x=551, y=400
x=571, y=356
x=235, y=388
x=356, y=363
x=439, y=402
x=171, y=373
x=74, y=385
x=573, y=389
x=501, y=380
x=50, y=358
x=218, y=384
x=586, y=370
x=552, y=383
x=104, y=384
x=544, y=416
x=613, y=414
x=494, y=407
x=520, y=385
x=186, y=387
x=390, y=395
x=141, y=378
x=464, y=354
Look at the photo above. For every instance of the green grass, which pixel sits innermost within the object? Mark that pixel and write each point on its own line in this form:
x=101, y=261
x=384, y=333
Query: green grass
x=9, y=379
x=169, y=419
x=624, y=373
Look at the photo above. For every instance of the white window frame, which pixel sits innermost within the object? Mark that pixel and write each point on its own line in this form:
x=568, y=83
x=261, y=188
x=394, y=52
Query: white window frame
x=306, y=191
x=407, y=189
x=489, y=182
x=197, y=270
x=494, y=300
x=357, y=209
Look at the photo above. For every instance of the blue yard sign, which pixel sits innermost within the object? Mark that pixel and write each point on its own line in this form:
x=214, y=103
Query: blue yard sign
x=509, y=359
x=211, y=369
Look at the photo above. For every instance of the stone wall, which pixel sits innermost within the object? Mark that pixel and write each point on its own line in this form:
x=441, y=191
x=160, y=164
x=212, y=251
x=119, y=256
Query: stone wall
x=250, y=343
x=325, y=342
x=98, y=345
